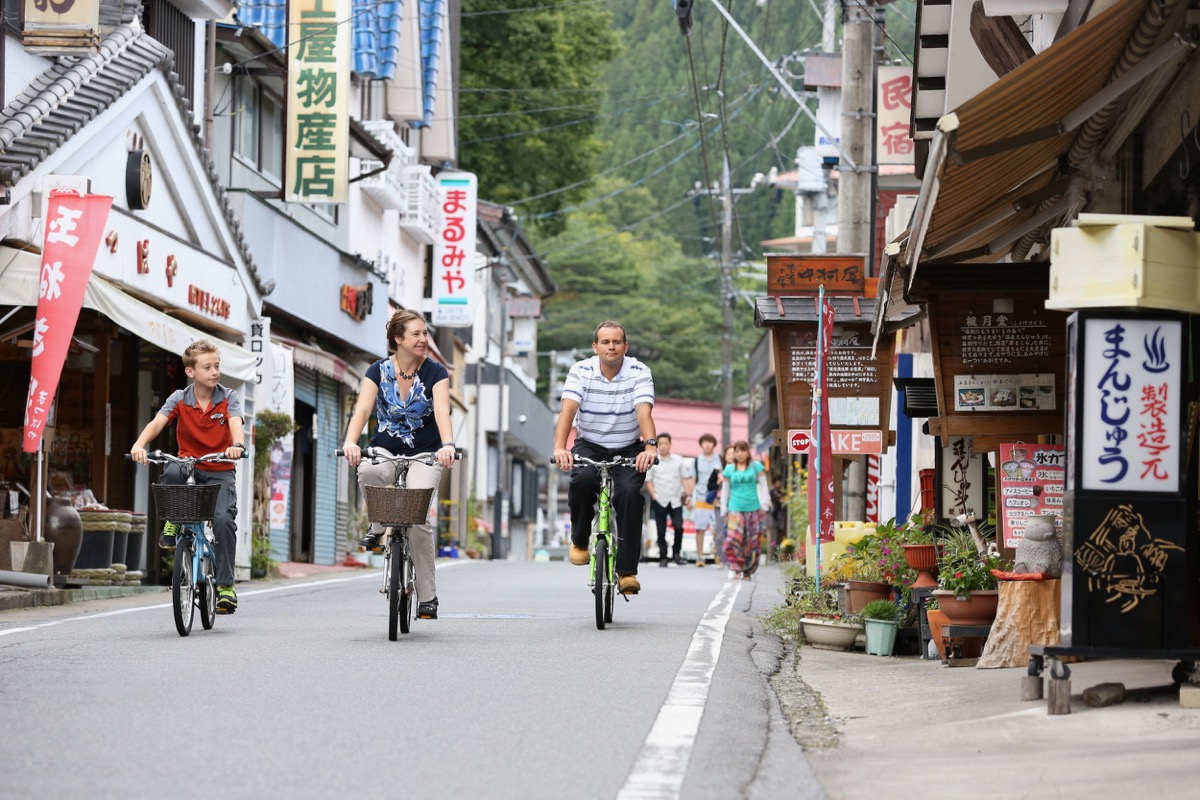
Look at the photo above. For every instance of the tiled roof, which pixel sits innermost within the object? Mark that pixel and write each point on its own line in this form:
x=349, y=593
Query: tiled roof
x=59, y=102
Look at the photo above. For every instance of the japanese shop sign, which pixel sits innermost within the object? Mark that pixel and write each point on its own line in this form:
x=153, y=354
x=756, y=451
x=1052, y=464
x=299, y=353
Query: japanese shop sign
x=1030, y=479
x=454, y=250
x=963, y=480
x=318, y=93
x=74, y=227
x=789, y=276
x=68, y=27
x=1131, y=412
x=893, y=142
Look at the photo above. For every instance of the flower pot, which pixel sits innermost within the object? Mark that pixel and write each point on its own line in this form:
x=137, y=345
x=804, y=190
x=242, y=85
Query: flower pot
x=859, y=593
x=922, y=558
x=881, y=636
x=827, y=634
x=977, y=609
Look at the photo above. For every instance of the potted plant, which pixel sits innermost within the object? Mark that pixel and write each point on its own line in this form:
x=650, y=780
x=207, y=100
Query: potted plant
x=810, y=613
x=969, y=592
x=877, y=564
x=920, y=553
x=881, y=618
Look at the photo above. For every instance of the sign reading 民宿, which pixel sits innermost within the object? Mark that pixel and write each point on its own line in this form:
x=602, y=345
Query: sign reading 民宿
x=1132, y=409
x=893, y=103
x=318, y=93
x=454, y=250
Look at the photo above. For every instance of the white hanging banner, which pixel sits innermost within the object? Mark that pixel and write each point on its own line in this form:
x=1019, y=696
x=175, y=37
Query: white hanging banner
x=454, y=250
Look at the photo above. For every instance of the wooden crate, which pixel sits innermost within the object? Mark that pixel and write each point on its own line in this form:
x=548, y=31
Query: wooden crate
x=1132, y=264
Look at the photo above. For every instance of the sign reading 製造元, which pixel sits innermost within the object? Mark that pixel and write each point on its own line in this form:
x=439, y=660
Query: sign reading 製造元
x=454, y=250
x=318, y=89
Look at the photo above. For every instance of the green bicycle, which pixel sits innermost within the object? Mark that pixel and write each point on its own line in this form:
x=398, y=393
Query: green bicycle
x=602, y=564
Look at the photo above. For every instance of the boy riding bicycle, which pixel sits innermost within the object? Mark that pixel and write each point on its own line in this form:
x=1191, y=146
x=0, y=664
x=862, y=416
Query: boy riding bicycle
x=608, y=398
x=208, y=417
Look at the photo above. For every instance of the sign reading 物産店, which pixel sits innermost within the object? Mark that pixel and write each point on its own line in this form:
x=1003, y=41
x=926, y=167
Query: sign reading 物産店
x=1131, y=405
x=454, y=250
x=318, y=90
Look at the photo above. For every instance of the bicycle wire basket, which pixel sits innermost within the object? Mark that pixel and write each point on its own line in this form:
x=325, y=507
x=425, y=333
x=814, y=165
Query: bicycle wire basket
x=390, y=505
x=179, y=502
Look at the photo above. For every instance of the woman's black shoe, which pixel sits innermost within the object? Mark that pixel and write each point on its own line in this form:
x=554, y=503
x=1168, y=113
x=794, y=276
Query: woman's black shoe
x=428, y=609
x=371, y=541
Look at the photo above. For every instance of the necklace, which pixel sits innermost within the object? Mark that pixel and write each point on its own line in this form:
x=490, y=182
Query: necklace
x=406, y=376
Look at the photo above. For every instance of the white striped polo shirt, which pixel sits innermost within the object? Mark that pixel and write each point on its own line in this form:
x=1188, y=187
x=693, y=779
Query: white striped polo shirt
x=607, y=413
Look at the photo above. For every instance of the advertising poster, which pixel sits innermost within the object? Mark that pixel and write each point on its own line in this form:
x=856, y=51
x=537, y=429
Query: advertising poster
x=1030, y=479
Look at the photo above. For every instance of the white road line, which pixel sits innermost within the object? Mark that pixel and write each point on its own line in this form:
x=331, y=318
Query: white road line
x=102, y=614
x=662, y=762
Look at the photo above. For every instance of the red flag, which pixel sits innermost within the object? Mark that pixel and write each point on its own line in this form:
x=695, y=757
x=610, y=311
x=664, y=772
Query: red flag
x=820, y=479
x=74, y=227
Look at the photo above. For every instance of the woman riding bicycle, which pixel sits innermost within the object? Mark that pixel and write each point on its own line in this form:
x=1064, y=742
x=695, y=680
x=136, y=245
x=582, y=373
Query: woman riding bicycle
x=608, y=398
x=410, y=395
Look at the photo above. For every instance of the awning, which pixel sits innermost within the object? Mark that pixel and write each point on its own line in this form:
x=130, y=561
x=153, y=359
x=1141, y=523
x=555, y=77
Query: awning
x=314, y=358
x=994, y=162
x=19, y=271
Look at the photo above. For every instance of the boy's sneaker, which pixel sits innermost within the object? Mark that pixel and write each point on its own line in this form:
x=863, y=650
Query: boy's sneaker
x=226, y=600
x=167, y=540
x=428, y=609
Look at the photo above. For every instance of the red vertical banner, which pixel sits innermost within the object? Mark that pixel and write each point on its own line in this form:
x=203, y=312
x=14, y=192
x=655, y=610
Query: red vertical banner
x=820, y=478
x=74, y=227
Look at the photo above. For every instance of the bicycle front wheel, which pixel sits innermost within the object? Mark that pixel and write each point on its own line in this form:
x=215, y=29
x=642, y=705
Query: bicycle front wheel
x=601, y=585
x=395, y=570
x=408, y=587
x=183, y=586
x=207, y=591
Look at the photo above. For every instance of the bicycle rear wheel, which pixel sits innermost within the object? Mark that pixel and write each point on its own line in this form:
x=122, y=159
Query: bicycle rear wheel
x=208, y=594
x=183, y=587
x=600, y=582
x=395, y=569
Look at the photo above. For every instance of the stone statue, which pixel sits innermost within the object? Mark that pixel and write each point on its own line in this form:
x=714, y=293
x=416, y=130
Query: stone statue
x=1040, y=550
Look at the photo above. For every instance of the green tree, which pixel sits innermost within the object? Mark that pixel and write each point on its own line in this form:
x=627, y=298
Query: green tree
x=528, y=100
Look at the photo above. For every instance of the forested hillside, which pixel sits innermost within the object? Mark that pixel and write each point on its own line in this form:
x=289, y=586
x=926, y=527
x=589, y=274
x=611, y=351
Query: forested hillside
x=656, y=115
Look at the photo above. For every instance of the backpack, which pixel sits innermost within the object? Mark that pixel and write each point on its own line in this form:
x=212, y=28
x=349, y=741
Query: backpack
x=713, y=485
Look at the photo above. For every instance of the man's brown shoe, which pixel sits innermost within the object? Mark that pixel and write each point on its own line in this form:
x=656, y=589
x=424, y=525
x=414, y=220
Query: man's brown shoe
x=629, y=584
x=578, y=556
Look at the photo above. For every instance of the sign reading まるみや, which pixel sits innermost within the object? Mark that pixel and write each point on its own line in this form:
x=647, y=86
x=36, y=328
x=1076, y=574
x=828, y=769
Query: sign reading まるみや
x=454, y=250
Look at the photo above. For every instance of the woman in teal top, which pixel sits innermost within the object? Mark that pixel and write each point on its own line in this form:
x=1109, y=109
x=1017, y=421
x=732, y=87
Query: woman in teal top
x=746, y=515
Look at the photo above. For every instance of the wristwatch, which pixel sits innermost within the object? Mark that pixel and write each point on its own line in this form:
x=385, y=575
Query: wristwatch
x=653, y=442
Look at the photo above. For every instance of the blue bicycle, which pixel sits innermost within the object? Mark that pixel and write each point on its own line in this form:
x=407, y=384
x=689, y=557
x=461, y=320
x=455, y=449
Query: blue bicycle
x=192, y=507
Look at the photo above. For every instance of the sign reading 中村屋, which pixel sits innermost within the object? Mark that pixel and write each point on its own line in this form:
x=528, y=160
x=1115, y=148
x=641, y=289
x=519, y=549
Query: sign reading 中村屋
x=318, y=88
x=1132, y=407
x=454, y=250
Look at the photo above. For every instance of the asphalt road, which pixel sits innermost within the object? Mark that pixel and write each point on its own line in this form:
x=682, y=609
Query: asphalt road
x=511, y=693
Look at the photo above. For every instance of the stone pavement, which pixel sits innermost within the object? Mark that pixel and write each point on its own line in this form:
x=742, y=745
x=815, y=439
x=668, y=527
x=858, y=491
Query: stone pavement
x=874, y=726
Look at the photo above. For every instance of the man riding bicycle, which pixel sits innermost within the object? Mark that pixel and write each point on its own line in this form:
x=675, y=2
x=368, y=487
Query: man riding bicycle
x=608, y=398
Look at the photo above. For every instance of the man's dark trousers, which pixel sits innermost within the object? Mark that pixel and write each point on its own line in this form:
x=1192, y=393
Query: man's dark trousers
x=628, y=502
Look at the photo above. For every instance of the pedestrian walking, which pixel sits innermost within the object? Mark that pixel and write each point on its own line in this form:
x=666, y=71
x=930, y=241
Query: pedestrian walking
x=721, y=508
x=670, y=484
x=705, y=493
x=746, y=518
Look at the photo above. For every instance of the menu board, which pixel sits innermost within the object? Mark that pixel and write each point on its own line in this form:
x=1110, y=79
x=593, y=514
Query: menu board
x=1030, y=479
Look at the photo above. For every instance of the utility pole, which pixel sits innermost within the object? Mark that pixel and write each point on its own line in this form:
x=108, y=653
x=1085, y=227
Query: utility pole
x=856, y=184
x=728, y=195
x=726, y=306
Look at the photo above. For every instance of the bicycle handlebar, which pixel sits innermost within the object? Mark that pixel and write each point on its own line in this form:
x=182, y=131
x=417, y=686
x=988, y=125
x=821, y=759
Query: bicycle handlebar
x=159, y=457
x=619, y=461
x=375, y=455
